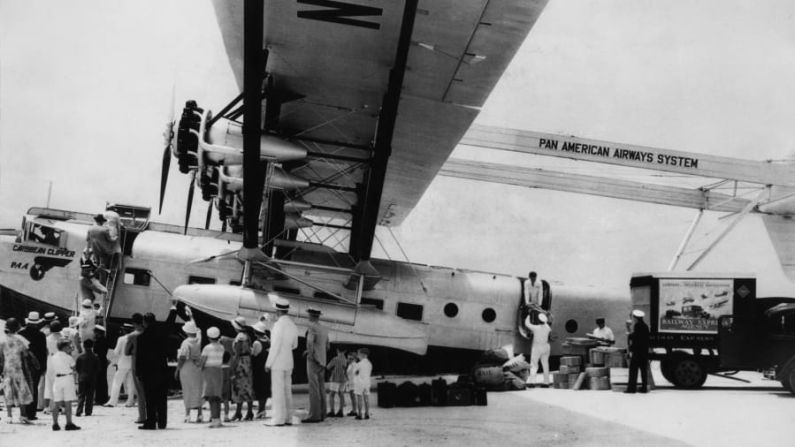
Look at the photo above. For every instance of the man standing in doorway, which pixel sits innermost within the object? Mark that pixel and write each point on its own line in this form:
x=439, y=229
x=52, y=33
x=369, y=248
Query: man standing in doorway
x=280, y=364
x=533, y=291
x=316, y=347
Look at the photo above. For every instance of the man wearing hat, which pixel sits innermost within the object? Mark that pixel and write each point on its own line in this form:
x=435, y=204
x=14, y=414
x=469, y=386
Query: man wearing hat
x=38, y=347
x=101, y=348
x=123, y=375
x=540, y=348
x=99, y=240
x=280, y=362
x=316, y=347
x=603, y=333
x=639, y=353
x=88, y=319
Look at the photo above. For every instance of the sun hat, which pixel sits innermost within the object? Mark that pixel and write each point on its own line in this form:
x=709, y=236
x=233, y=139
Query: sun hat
x=260, y=327
x=87, y=304
x=213, y=332
x=190, y=328
x=239, y=323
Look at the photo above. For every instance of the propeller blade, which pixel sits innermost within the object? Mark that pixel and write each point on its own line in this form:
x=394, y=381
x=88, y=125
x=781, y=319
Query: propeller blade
x=190, y=200
x=164, y=175
x=209, y=215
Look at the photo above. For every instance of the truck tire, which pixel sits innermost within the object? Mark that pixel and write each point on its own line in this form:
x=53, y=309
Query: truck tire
x=788, y=379
x=687, y=372
x=666, y=368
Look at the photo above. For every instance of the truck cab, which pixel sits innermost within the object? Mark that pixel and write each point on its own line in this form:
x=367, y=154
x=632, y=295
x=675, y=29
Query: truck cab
x=765, y=341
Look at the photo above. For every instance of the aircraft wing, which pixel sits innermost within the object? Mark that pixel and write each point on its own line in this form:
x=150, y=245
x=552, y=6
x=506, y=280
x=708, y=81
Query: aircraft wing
x=329, y=64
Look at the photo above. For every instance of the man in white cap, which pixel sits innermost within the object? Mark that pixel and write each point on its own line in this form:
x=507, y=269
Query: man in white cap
x=316, y=347
x=639, y=353
x=540, y=348
x=284, y=339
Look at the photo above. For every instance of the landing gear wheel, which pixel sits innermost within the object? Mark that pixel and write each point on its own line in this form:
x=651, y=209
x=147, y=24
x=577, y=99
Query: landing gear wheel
x=687, y=372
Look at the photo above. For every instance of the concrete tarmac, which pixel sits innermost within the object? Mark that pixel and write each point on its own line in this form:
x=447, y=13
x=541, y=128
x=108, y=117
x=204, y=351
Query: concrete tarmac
x=726, y=413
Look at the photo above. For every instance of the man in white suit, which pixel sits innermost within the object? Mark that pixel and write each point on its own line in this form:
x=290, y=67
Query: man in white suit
x=284, y=339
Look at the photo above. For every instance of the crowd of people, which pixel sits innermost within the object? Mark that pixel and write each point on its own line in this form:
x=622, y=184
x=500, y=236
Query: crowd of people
x=48, y=368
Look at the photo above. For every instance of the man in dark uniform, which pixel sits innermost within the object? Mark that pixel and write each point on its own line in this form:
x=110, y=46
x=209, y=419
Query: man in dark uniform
x=639, y=352
x=131, y=350
x=101, y=348
x=38, y=347
x=316, y=347
x=151, y=366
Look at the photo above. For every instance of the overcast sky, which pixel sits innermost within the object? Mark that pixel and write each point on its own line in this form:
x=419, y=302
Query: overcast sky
x=85, y=90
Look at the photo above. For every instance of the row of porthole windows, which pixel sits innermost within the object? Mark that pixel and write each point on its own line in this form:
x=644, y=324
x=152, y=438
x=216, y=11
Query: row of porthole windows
x=488, y=314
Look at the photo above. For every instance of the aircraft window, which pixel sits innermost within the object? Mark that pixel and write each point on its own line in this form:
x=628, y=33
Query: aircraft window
x=136, y=277
x=379, y=304
x=235, y=283
x=409, y=311
x=45, y=235
x=571, y=326
x=451, y=310
x=286, y=290
x=489, y=315
x=200, y=280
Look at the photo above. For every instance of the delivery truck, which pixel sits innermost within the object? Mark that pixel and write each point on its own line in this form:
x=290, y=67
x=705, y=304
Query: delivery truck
x=714, y=323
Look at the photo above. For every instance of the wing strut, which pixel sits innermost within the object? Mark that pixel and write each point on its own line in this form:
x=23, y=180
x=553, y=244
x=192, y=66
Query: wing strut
x=366, y=219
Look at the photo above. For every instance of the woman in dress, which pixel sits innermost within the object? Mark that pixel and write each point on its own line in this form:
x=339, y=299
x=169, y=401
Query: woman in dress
x=15, y=366
x=189, y=372
x=212, y=377
x=240, y=365
x=259, y=354
x=49, y=377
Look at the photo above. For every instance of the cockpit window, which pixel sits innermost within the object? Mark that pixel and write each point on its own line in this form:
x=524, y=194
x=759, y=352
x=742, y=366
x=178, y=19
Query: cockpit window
x=44, y=234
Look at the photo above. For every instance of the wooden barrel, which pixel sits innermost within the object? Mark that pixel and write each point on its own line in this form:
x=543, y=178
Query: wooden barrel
x=564, y=369
x=599, y=383
x=598, y=356
x=597, y=371
x=573, y=360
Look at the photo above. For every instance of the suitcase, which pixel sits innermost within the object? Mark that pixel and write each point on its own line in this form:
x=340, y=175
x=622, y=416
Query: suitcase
x=439, y=392
x=386, y=394
x=406, y=395
x=459, y=397
x=479, y=396
x=424, y=395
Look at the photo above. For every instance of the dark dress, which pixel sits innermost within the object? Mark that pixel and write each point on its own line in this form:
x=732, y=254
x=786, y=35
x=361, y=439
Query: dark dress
x=262, y=382
x=38, y=347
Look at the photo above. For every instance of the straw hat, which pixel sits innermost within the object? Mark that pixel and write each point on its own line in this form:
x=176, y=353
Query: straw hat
x=87, y=304
x=190, y=328
x=33, y=318
x=282, y=304
x=260, y=327
x=239, y=323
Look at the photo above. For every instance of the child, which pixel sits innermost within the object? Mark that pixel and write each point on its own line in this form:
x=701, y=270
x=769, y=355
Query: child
x=63, y=388
x=337, y=366
x=87, y=366
x=350, y=374
x=361, y=383
x=212, y=377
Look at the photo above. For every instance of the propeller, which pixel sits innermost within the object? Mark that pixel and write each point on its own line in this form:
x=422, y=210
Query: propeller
x=168, y=135
x=190, y=199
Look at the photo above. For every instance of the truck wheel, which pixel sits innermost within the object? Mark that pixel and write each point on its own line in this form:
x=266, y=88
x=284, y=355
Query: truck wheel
x=788, y=380
x=687, y=372
x=666, y=368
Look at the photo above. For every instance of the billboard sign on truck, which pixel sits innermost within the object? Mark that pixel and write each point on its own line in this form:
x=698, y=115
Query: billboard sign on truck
x=693, y=305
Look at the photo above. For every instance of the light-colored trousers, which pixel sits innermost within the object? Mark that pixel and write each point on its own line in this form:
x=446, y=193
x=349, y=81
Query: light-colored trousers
x=123, y=376
x=539, y=353
x=282, y=395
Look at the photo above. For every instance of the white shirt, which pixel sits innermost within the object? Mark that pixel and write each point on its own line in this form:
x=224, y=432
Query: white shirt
x=122, y=361
x=605, y=334
x=362, y=372
x=62, y=363
x=284, y=339
x=533, y=292
x=540, y=334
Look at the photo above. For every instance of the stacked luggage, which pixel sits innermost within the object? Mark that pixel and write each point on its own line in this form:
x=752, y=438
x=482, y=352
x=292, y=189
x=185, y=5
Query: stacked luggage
x=438, y=393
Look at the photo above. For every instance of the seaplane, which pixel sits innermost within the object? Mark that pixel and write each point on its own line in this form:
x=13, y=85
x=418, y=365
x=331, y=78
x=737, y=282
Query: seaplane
x=347, y=112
